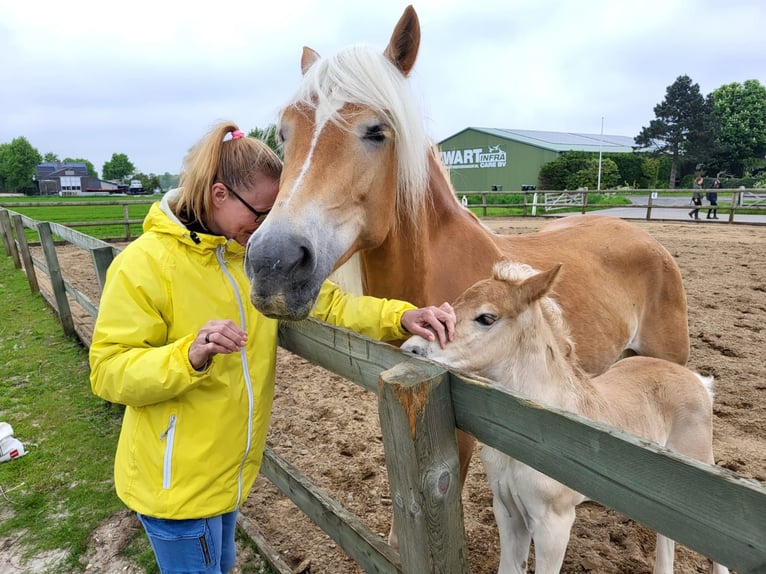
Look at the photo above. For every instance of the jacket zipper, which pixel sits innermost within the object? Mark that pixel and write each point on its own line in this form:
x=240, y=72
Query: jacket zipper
x=245, y=370
x=168, y=435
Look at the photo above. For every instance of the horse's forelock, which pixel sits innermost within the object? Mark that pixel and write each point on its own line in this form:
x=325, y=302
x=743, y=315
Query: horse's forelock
x=361, y=75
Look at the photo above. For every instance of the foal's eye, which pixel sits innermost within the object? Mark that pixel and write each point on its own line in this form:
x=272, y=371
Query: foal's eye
x=486, y=319
x=376, y=133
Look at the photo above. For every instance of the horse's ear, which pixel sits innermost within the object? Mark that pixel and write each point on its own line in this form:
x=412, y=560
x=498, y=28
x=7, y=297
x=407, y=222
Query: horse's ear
x=308, y=57
x=540, y=284
x=403, y=46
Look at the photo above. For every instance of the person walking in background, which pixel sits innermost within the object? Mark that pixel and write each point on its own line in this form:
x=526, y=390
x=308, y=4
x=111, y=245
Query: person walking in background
x=697, y=198
x=712, y=197
x=178, y=342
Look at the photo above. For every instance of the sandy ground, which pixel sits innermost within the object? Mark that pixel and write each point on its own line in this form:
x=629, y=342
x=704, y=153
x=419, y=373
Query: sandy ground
x=328, y=427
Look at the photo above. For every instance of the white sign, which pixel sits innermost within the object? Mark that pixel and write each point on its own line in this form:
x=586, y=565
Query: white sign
x=472, y=158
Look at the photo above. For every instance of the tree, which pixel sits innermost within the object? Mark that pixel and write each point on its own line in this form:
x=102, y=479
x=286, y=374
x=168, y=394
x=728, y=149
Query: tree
x=740, y=110
x=88, y=165
x=268, y=135
x=50, y=157
x=118, y=168
x=576, y=169
x=18, y=163
x=681, y=124
x=168, y=181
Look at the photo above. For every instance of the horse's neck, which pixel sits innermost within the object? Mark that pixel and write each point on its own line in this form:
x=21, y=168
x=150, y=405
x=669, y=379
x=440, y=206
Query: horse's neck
x=436, y=259
x=542, y=366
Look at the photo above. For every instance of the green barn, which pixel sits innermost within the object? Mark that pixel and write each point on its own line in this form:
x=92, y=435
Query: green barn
x=483, y=159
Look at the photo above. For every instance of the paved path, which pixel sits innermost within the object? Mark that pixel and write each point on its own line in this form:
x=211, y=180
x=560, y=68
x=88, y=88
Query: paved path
x=669, y=209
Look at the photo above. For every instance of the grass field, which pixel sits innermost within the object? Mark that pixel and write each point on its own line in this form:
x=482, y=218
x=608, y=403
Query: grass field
x=55, y=495
x=53, y=498
x=89, y=209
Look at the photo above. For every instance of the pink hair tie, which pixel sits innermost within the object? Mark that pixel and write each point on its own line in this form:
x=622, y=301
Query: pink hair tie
x=237, y=134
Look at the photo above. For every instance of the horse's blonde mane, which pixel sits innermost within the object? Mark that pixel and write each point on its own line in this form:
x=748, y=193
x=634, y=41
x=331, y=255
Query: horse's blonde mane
x=364, y=76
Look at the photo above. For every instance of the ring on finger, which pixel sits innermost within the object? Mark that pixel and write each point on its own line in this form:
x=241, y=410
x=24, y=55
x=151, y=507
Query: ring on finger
x=207, y=338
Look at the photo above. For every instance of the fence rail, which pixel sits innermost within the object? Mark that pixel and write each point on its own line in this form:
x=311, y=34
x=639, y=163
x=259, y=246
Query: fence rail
x=545, y=202
x=712, y=510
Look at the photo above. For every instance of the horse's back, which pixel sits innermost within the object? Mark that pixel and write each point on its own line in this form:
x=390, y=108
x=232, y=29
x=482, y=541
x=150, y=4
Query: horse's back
x=622, y=291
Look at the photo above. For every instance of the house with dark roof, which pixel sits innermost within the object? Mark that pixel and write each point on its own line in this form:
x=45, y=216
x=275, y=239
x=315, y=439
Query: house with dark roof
x=71, y=178
x=507, y=159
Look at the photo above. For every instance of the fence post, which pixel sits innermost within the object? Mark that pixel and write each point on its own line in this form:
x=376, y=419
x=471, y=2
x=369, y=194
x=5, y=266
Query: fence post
x=418, y=425
x=26, y=256
x=7, y=232
x=127, y=221
x=736, y=199
x=57, y=280
x=649, y=206
x=102, y=259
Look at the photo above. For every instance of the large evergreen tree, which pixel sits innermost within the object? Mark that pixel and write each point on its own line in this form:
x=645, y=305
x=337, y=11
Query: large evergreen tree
x=681, y=124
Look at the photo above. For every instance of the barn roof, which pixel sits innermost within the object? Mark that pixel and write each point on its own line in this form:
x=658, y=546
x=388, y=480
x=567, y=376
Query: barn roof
x=564, y=141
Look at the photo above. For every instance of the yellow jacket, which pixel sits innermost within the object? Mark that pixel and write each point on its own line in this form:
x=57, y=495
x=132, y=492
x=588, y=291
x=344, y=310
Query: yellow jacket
x=191, y=442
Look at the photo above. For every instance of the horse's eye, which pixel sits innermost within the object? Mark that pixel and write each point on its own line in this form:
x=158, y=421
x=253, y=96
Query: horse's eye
x=376, y=133
x=486, y=319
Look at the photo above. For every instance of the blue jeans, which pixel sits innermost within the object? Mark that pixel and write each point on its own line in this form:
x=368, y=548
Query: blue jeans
x=195, y=546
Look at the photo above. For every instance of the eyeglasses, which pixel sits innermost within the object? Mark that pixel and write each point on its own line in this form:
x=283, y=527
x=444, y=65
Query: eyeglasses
x=260, y=216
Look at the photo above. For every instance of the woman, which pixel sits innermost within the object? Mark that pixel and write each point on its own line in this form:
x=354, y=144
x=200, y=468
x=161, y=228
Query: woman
x=697, y=198
x=712, y=197
x=177, y=341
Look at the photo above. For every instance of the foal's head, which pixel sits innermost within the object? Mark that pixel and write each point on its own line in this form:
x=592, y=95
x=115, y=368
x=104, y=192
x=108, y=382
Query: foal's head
x=498, y=319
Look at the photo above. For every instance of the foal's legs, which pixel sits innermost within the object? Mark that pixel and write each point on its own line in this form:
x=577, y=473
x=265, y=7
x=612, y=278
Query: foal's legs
x=663, y=562
x=515, y=538
x=551, y=535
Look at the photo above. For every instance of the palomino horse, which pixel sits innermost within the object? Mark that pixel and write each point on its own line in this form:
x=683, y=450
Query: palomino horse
x=361, y=177
x=510, y=331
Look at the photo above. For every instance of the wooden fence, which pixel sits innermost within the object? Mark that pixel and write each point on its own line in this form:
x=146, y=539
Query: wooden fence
x=653, y=204
x=645, y=203
x=717, y=512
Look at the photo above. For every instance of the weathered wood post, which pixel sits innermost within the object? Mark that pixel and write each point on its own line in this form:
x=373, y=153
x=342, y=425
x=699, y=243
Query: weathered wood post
x=649, y=203
x=57, y=280
x=7, y=232
x=736, y=199
x=126, y=216
x=26, y=256
x=102, y=259
x=418, y=427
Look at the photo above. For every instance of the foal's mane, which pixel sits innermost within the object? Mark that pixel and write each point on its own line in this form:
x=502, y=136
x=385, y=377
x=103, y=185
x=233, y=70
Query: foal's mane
x=364, y=76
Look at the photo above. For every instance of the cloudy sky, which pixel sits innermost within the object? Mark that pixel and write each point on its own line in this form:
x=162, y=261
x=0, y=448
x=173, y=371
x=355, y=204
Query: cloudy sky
x=148, y=78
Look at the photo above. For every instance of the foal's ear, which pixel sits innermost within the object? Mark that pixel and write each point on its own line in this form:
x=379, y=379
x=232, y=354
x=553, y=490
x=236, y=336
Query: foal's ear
x=403, y=46
x=308, y=57
x=540, y=284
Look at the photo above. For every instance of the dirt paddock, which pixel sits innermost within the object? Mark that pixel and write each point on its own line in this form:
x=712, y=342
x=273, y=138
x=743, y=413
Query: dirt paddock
x=328, y=427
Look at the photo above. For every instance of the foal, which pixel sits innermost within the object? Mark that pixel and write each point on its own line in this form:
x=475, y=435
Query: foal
x=510, y=331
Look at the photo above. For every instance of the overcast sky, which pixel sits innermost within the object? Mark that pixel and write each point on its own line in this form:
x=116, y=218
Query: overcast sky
x=148, y=78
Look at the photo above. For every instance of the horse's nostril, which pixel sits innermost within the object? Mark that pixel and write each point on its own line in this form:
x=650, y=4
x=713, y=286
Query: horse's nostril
x=418, y=350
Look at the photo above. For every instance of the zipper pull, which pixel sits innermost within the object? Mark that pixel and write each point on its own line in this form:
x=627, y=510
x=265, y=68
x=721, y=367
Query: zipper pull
x=171, y=424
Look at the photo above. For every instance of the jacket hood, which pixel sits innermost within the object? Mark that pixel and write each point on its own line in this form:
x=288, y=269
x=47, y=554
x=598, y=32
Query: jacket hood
x=161, y=219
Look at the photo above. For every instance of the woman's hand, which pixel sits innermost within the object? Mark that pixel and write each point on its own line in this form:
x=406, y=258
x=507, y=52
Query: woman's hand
x=215, y=337
x=430, y=322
